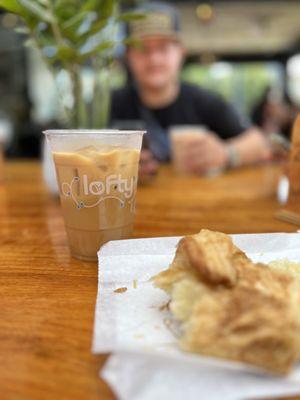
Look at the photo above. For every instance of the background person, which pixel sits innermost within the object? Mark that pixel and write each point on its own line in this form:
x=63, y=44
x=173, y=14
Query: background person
x=158, y=98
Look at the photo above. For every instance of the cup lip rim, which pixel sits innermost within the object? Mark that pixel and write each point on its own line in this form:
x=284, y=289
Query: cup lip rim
x=77, y=132
x=181, y=129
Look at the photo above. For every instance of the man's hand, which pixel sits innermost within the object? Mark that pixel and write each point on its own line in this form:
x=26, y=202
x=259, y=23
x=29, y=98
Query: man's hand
x=148, y=166
x=205, y=153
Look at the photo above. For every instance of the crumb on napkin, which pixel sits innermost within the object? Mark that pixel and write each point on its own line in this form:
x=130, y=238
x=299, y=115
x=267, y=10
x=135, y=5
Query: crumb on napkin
x=120, y=290
x=165, y=306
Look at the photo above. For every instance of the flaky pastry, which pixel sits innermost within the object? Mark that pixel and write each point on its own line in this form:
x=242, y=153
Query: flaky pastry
x=230, y=307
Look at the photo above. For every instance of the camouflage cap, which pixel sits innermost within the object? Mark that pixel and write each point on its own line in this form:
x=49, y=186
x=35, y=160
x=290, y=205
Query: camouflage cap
x=161, y=19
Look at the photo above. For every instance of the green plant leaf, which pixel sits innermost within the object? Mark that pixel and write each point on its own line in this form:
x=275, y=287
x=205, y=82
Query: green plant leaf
x=75, y=20
x=104, y=46
x=43, y=2
x=46, y=39
x=94, y=28
x=66, y=53
x=106, y=8
x=65, y=10
x=15, y=7
x=12, y=6
x=37, y=10
x=91, y=5
x=131, y=16
x=72, y=26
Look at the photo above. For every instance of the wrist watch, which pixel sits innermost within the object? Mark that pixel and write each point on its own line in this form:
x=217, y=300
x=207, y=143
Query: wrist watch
x=234, y=158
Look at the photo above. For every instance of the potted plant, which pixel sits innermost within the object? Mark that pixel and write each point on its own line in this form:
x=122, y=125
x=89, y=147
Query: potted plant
x=70, y=34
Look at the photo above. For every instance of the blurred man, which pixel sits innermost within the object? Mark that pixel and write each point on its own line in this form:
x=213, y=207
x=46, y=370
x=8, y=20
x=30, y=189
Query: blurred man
x=161, y=100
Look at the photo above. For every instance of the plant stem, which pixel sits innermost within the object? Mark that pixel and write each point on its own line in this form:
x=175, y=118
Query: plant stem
x=78, y=116
x=101, y=96
x=95, y=100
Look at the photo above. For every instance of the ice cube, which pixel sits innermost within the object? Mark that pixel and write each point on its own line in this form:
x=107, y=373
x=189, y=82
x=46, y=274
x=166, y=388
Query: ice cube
x=87, y=150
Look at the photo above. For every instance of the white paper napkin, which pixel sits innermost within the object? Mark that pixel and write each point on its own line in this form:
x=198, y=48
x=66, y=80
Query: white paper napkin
x=147, y=363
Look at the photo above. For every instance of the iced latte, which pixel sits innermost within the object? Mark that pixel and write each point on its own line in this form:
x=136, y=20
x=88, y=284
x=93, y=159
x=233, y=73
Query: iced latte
x=180, y=137
x=97, y=185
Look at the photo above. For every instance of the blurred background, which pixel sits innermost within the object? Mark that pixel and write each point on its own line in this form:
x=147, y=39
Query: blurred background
x=249, y=51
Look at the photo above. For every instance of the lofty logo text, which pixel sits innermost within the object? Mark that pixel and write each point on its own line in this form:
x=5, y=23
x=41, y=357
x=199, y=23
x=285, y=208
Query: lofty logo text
x=109, y=185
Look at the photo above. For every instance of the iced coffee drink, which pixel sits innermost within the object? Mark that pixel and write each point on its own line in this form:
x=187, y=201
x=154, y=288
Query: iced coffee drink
x=97, y=185
x=180, y=137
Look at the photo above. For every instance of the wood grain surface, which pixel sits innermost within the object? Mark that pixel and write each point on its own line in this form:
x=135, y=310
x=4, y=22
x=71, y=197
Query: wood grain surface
x=47, y=298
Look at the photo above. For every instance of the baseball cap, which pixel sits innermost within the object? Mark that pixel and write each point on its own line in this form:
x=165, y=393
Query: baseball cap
x=160, y=19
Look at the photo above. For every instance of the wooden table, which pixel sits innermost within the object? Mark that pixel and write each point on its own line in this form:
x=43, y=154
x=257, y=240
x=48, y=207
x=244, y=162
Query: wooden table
x=47, y=298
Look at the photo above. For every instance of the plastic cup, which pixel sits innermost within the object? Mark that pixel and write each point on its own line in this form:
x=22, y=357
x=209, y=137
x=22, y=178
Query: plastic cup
x=180, y=137
x=97, y=172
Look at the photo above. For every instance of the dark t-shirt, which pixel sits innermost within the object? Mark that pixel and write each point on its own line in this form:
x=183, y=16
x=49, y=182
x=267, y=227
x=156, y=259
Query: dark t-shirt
x=193, y=106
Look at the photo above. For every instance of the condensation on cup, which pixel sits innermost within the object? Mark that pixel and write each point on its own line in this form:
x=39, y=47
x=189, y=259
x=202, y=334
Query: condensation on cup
x=97, y=172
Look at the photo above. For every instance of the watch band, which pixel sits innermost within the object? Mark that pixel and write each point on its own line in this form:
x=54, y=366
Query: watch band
x=234, y=158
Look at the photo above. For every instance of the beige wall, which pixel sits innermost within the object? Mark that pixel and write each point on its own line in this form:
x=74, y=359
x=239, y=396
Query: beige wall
x=242, y=27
